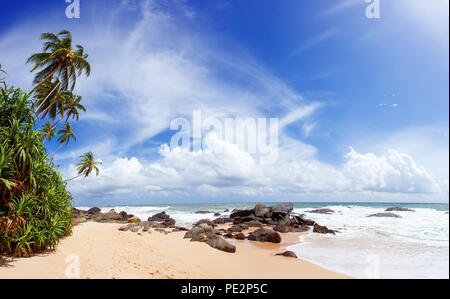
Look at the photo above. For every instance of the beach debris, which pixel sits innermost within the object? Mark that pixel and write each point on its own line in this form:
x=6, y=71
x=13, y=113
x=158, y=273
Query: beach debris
x=398, y=209
x=264, y=235
x=322, y=211
x=392, y=215
x=323, y=229
x=134, y=220
x=287, y=254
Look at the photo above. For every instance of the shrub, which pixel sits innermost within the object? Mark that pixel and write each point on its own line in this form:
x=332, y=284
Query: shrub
x=35, y=207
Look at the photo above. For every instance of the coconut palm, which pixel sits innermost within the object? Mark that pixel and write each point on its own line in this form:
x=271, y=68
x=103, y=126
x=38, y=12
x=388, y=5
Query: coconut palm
x=71, y=107
x=86, y=166
x=66, y=134
x=58, y=58
x=51, y=99
x=48, y=130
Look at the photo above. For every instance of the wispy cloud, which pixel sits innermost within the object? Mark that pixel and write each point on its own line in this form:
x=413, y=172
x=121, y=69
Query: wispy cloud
x=341, y=6
x=315, y=41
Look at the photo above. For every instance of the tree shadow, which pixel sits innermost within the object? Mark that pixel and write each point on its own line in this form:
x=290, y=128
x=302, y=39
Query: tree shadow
x=5, y=262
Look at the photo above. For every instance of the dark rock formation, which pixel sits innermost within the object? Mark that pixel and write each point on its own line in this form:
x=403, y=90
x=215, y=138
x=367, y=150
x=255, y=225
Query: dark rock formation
x=203, y=212
x=163, y=219
x=288, y=254
x=217, y=214
x=398, y=209
x=239, y=236
x=321, y=211
x=264, y=235
x=392, y=215
x=323, y=229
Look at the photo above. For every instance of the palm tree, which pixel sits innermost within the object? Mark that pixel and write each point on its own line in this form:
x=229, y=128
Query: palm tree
x=49, y=131
x=47, y=95
x=70, y=108
x=66, y=134
x=58, y=58
x=86, y=165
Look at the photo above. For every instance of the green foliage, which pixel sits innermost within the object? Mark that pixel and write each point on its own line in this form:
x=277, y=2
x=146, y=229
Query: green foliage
x=35, y=208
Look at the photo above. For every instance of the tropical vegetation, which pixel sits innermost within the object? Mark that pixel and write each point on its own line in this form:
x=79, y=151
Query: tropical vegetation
x=35, y=206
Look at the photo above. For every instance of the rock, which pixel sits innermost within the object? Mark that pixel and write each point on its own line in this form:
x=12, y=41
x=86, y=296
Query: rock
x=285, y=208
x=265, y=235
x=252, y=223
x=93, y=211
x=180, y=228
x=303, y=221
x=229, y=235
x=79, y=219
x=164, y=219
x=221, y=244
x=134, y=229
x=323, y=229
x=241, y=213
x=321, y=211
x=226, y=210
x=124, y=228
x=217, y=214
x=146, y=227
x=239, y=236
x=288, y=254
x=392, y=215
x=203, y=212
x=207, y=221
x=262, y=211
x=281, y=228
x=235, y=229
x=399, y=209
x=219, y=221
x=134, y=220
x=125, y=216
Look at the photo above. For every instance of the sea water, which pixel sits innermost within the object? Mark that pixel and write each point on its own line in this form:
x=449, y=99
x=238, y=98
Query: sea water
x=413, y=246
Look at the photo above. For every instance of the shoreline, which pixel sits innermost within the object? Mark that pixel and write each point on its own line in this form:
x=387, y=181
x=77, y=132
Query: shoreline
x=105, y=252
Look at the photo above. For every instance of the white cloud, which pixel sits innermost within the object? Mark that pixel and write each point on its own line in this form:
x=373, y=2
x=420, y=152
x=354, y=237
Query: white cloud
x=235, y=172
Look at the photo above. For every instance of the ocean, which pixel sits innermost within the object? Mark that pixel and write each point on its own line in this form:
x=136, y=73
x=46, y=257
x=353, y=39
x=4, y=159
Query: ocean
x=414, y=246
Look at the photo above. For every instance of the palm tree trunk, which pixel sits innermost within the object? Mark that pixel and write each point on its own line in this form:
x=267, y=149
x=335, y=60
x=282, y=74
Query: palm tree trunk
x=56, y=151
x=35, y=112
x=73, y=178
x=43, y=112
x=48, y=77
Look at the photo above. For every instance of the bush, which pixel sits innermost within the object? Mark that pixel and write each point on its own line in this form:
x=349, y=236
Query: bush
x=35, y=207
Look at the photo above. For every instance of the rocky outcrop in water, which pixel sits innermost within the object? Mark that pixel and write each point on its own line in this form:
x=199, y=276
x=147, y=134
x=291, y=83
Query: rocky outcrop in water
x=323, y=229
x=398, y=209
x=391, y=215
x=322, y=211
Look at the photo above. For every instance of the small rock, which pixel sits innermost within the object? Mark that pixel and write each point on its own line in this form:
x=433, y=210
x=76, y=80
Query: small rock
x=392, y=215
x=399, y=209
x=322, y=211
x=264, y=235
x=239, y=236
x=288, y=254
x=134, y=220
x=323, y=229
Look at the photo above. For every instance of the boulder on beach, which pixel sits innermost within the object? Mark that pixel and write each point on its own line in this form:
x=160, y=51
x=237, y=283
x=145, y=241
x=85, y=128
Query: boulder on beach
x=134, y=220
x=281, y=228
x=239, y=236
x=235, y=229
x=220, y=243
x=287, y=254
x=322, y=211
x=241, y=213
x=392, y=215
x=251, y=223
x=93, y=211
x=262, y=211
x=398, y=209
x=323, y=229
x=207, y=221
x=163, y=219
x=265, y=235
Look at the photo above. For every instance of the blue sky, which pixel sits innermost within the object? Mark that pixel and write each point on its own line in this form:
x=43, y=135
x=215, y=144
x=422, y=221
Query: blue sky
x=364, y=101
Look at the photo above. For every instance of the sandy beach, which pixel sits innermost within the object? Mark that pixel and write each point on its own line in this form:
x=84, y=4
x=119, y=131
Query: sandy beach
x=105, y=252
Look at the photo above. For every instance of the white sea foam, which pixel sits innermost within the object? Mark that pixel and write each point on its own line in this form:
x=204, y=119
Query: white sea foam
x=414, y=246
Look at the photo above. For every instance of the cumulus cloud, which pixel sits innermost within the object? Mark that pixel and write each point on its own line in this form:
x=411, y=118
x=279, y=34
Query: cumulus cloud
x=234, y=172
